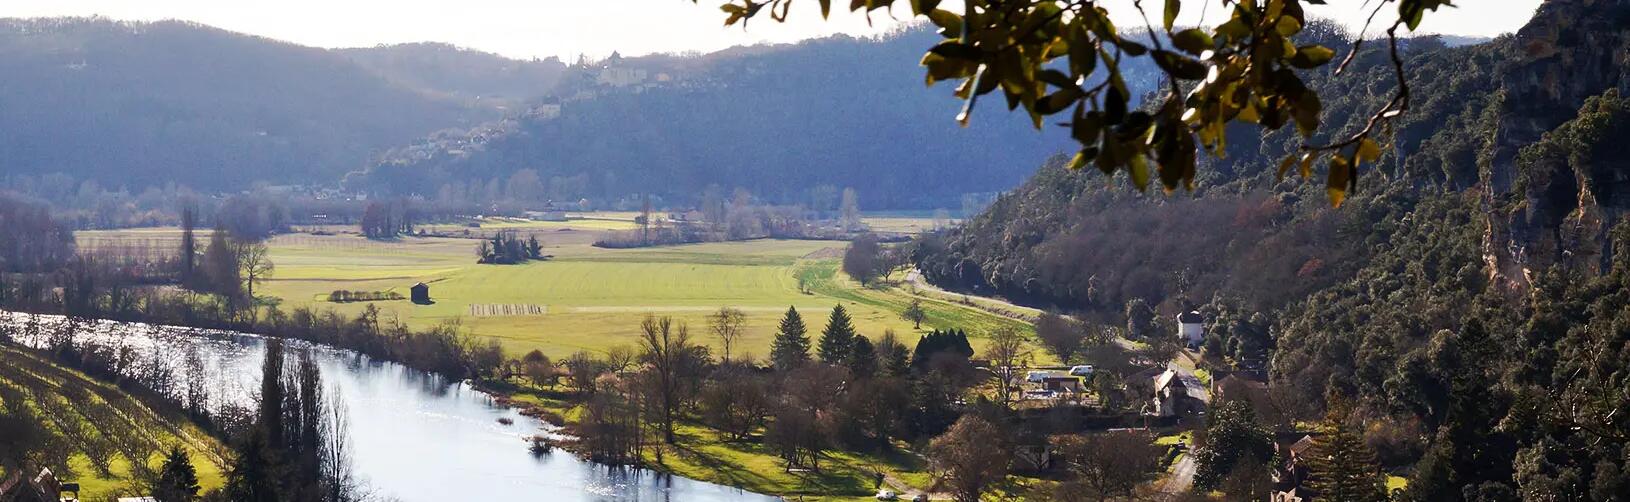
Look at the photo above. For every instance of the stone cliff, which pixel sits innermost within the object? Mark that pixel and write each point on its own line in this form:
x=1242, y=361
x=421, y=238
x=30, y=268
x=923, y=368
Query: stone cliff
x=1557, y=176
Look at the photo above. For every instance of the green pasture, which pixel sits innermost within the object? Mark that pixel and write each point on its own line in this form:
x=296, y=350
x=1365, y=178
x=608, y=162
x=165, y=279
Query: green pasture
x=593, y=299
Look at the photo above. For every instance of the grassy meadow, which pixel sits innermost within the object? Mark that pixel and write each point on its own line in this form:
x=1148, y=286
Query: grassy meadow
x=589, y=298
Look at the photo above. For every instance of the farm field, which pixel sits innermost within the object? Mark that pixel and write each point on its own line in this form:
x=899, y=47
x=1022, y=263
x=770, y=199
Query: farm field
x=98, y=419
x=589, y=298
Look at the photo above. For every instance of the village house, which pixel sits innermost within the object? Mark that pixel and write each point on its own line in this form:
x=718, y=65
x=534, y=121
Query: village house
x=1290, y=477
x=43, y=487
x=1178, y=394
x=1191, y=328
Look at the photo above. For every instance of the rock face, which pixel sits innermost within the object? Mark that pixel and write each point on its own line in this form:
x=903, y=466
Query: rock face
x=1554, y=184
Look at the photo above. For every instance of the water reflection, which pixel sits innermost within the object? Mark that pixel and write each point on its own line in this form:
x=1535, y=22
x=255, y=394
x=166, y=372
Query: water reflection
x=416, y=436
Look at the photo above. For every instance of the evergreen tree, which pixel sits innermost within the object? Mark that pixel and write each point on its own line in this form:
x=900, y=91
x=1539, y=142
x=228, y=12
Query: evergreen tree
x=1232, y=436
x=862, y=357
x=177, y=480
x=1342, y=468
x=790, y=349
x=251, y=477
x=838, y=337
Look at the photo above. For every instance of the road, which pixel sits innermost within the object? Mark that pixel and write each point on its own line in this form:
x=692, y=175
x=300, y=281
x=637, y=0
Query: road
x=1181, y=478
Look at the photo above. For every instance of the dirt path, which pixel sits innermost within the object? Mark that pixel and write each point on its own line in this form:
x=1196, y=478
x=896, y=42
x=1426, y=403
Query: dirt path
x=921, y=287
x=907, y=493
x=1181, y=478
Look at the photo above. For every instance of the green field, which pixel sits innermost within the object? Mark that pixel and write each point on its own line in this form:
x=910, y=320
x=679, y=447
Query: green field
x=589, y=298
x=97, y=418
x=592, y=298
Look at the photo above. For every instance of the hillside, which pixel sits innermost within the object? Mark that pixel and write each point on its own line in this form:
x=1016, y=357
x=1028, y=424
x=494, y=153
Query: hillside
x=478, y=79
x=1072, y=241
x=147, y=104
x=88, y=431
x=775, y=120
x=1467, y=308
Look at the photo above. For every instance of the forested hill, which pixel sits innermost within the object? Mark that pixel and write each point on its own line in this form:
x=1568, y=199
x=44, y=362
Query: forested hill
x=142, y=104
x=478, y=78
x=1468, y=308
x=1076, y=241
x=777, y=121
x=1524, y=122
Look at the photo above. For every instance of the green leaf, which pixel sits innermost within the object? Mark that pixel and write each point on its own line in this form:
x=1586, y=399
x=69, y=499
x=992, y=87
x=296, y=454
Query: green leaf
x=918, y=7
x=952, y=49
x=1082, y=158
x=1179, y=66
x=1172, y=8
x=1287, y=26
x=1114, y=106
x=1083, y=55
x=1337, y=180
x=1055, y=78
x=1138, y=167
x=1058, y=101
x=950, y=24
x=1368, y=151
x=1312, y=56
x=1307, y=113
x=1193, y=41
x=1131, y=48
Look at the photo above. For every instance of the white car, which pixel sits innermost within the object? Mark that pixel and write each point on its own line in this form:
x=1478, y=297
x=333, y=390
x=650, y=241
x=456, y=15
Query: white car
x=887, y=495
x=1081, y=371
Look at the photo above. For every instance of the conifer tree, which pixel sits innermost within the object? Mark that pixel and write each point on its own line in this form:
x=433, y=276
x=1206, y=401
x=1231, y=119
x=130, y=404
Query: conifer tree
x=1341, y=467
x=862, y=357
x=177, y=480
x=790, y=349
x=838, y=337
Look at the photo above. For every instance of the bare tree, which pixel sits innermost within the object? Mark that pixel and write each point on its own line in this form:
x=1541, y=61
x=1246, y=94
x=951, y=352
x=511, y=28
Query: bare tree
x=915, y=313
x=726, y=324
x=1008, y=356
x=255, y=262
x=1108, y=465
x=665, y=354
x=851, y=210
x=1061, y=335
x=969, y=457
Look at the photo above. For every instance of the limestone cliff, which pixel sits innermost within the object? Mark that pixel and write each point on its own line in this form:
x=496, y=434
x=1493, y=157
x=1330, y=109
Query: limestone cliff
x=1555, y=175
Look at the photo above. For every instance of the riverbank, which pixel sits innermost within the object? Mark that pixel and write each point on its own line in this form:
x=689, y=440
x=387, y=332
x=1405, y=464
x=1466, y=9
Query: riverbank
x=107, y=435
x=704, y=454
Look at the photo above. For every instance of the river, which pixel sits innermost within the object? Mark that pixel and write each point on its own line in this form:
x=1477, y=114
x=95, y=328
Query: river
x=414, y=436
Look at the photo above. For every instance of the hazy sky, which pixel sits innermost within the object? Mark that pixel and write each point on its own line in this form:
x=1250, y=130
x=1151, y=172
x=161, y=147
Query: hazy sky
x=566, y=28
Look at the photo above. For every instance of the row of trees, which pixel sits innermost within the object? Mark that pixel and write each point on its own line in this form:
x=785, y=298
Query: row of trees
x=294, y=445
x=289, y=445
x=34, y=241
x=836, y=391
x=230, y=266
x=867, y=260
x=385, y=220
x=507, y=248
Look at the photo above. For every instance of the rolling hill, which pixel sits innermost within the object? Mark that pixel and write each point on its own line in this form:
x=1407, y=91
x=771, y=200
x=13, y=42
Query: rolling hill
x=145, y=104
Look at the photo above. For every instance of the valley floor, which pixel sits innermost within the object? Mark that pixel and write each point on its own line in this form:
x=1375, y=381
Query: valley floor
x=589, y=298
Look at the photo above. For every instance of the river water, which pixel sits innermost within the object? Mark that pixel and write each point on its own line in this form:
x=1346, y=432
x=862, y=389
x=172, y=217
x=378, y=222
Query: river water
x=414, y=436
